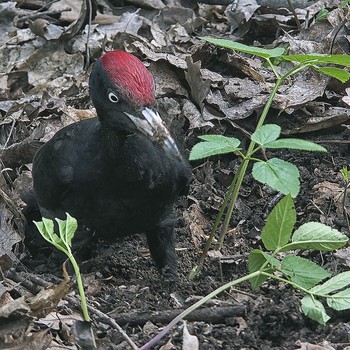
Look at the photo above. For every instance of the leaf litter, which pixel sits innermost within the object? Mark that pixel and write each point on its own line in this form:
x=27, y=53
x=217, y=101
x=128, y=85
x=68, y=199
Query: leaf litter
x=200, y=88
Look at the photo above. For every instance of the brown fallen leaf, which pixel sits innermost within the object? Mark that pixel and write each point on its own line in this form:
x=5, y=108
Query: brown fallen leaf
x=242, y=324
x=330, y=116
x=47, y=299
x=189, y=341
x=308, y=346
x=197, y=222
x=36, y=306
x=33, y=340
x=199, y=87
x=326, y=190
x=168, y=346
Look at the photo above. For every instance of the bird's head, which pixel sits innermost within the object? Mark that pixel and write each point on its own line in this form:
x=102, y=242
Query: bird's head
x=123, y=93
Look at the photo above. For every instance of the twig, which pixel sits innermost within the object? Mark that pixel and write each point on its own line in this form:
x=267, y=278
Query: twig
x=105, y=319
x=213, y=315
x=11, y=131
x=291, y=7
x=87, y=63
x=337, y=30
x=345, y=212
x=45, y=14
x=12, y=275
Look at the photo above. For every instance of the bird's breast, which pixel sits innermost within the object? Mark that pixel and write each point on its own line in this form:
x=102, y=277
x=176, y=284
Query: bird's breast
x=143, y=166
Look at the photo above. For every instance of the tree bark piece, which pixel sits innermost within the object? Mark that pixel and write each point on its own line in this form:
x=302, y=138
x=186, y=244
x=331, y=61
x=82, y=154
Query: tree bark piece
x=206, y=314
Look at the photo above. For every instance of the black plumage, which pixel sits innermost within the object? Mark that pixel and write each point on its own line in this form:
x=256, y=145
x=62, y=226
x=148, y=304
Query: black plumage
x=120, y=173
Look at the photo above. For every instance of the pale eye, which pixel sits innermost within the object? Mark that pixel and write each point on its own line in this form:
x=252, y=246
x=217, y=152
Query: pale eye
x=113, y=97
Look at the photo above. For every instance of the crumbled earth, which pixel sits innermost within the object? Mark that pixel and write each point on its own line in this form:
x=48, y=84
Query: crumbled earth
x=122, y=279
x=43, y=87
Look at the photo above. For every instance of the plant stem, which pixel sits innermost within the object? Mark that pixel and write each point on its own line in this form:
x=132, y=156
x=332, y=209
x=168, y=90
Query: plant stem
x=233, y=191
x=195, y=306
x=83, y=302
x=272, y=66
x=244, y=165
x=154, y=341
x=80, y=288
x=295, y=285
x=196, y=270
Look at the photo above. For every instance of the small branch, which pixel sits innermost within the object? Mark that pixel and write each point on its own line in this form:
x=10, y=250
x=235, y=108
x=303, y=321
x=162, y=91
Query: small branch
x=87, y=63
x=345, y=211
x=195, y=306
x=207, y=314
x=104, y=319
x=291, y=7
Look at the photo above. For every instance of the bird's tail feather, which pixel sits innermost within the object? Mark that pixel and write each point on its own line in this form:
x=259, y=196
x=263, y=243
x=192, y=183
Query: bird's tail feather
x=31, y=210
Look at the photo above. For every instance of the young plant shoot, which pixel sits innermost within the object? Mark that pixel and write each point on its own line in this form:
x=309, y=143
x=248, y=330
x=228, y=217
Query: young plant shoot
x=277, y=173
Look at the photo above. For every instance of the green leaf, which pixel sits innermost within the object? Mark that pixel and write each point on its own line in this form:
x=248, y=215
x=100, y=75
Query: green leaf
x=256, y=260
x=278, y=174
x=343, y=60
x=295, y=144
x=345, y=172
x=53, y=237
x=42, y=230
x=62, y=229
x=71, y=227
x=214, y=144
x=340, y=301
x=316, y=236
x=266, y=133
x=46, y=229
x=322, y=15
x=279, y=224
x=263, y=53
x=314, y=309
x=337, y=282
x=48, y=226
x=67, y=229
x=302, y=271
x=273, y=262
x=344, y=3
x=334, y=72
x=220, y=138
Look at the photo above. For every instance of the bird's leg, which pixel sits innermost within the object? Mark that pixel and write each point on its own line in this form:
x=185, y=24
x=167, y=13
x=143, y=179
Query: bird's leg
x=161, y=242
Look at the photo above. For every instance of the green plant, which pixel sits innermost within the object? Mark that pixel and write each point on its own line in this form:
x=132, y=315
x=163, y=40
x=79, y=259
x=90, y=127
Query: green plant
x=63, y=242
x=278, y=261
x=301, y=273
x=344, y=3
x=345, y=172
x=322, y=15
x=276, y=173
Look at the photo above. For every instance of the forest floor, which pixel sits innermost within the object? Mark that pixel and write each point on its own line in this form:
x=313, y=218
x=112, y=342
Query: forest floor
x=43, y=86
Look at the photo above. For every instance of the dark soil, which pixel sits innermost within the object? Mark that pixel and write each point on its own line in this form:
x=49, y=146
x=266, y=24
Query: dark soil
x=121, y=281
x=121, y=278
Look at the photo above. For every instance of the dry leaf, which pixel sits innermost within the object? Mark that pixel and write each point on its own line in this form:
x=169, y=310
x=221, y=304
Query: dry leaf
x=37, y=305
x=199, y=87
x=47, y=299
x=242, y=324
x=168, y=346
x=189, y=342
x=197, y=222
x=308, y=346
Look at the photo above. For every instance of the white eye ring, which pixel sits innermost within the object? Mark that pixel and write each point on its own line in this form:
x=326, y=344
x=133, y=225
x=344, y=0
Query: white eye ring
x=113, y=97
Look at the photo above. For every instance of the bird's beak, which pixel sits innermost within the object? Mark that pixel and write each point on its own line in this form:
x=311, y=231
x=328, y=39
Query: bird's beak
x=152, y=125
